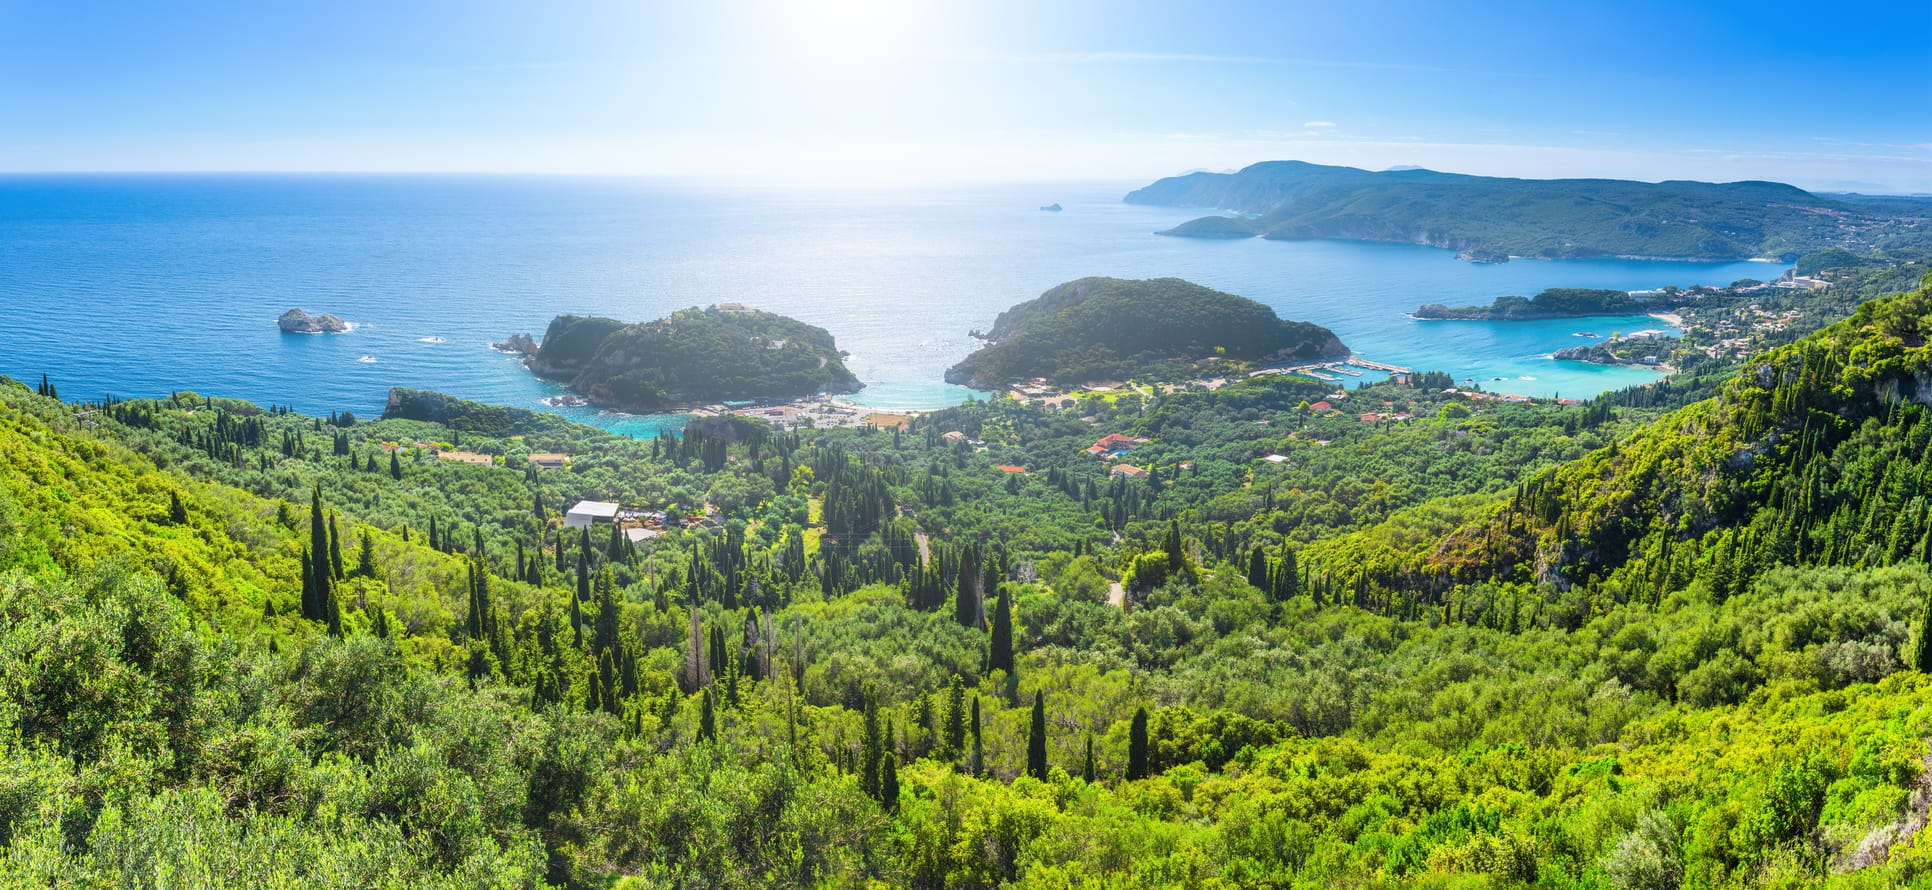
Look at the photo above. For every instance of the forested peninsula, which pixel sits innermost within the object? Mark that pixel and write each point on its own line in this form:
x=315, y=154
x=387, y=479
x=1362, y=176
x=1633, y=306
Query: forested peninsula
x=1114, y=329
x=1491, y=219
x=690, y=358
x=1555, y=302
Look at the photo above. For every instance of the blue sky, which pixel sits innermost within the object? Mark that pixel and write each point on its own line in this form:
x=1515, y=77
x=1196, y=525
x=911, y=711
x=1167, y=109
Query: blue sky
x=844, y=91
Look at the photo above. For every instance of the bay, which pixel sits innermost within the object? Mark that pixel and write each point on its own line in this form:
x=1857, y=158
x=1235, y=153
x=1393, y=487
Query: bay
x=139, y=285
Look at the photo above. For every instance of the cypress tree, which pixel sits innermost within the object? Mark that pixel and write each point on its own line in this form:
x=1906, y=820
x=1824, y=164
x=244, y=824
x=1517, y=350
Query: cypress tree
x=605, y=638
x=1137, y=746
x=577, y=622
x=607, y=681
x=1176, y=553
x=708, y=720
x=889, y=782
x=395, y=467
x=1036, y=748
x=1287, y=575
x=1258, y=571
x=966, y=597
x=1086, y=769
x=177, y=511
x=335, y=548
x=955, y=719
x=1000, y=656
x=322, y=589
x=367, y=561
x=308, y=586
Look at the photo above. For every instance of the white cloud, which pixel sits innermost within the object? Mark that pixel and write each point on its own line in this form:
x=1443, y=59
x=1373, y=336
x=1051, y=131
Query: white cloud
x=1322, y=125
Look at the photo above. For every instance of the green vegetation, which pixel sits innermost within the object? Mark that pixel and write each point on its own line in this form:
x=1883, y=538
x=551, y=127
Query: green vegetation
x=1555, y=302
x=692, y=357
x=1108, y=329
x=1672, y=637
x=1492, y=218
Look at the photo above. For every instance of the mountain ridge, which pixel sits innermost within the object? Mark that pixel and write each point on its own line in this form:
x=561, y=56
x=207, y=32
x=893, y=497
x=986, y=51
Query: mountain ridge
x=1499, y=217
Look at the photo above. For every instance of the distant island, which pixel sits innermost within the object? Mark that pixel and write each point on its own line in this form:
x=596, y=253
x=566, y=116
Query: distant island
x=1112, y=329
x=1489, y=219
x=690, y=358
x=1555, y=302
x=296, y=321
x=1052, y=208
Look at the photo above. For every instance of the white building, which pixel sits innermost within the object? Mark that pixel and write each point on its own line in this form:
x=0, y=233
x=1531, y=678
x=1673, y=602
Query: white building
x=588, y=513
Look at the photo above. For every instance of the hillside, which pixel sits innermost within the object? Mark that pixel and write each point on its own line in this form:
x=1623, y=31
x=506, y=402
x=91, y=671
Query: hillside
x=692, y=357
x=1815, y=453
x=1495, y=218
x=1676, y=636
x=1107, y=328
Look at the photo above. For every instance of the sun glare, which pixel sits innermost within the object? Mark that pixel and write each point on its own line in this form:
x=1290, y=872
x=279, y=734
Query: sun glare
x=841, y=39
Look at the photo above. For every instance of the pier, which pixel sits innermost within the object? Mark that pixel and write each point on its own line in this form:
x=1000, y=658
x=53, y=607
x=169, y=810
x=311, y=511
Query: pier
x=1360, y=362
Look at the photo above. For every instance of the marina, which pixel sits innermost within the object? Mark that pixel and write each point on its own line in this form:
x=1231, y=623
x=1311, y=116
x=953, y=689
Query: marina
x=1353, y=366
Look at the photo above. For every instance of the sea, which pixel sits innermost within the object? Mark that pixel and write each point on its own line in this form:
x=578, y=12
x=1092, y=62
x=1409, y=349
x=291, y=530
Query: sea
x=142, y=285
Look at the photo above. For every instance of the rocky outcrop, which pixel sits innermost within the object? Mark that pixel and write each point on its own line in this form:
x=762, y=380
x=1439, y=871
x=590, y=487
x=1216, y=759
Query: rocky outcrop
x=519, y=344
x=296, y=321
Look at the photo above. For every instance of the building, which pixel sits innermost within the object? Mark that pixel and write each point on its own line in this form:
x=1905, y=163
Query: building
x=589, y=513
x=1009, y=468
x=954, y=438
x=465, y=457
x=1113, y=445
x=549, y=460
x=1128, y=470
x=640, y=535
x=1321, y=406
x=1276, y=458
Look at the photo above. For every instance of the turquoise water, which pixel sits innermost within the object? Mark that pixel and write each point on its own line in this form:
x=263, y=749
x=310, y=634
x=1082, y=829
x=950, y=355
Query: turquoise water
x=139, y=285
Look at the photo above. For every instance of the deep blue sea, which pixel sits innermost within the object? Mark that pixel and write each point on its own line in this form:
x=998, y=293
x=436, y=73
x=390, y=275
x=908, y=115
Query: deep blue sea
x=141, y=285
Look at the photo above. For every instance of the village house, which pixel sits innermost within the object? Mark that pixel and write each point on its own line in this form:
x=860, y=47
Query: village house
x=1128, y=470
x=545, y=460
x=1010, y=468
x=954, y=437
x=465, y=457
x=1114, y=445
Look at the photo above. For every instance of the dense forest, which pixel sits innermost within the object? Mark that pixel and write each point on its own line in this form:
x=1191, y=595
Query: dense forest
x=1098, y=329
x=1496, y=218
x=1674, y=636
x=692, y=357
